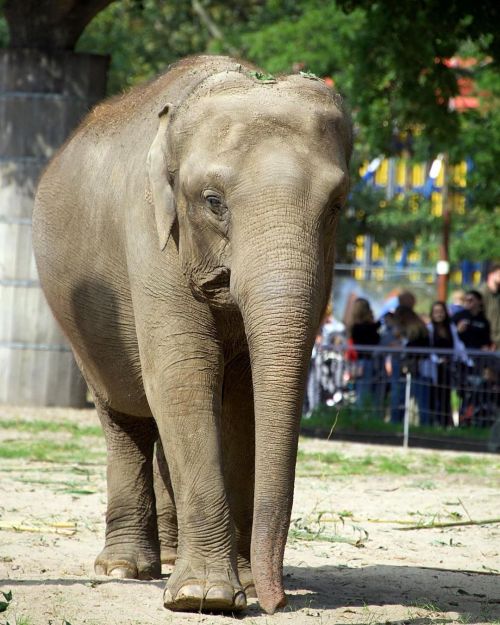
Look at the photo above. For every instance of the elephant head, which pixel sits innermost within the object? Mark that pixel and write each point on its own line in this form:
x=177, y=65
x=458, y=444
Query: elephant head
x=255, y=175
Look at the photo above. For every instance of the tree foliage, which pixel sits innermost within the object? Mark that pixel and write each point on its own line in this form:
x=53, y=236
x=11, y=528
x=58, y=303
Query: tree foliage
x=401, y=57
x=142, y=38
x=477, y=231
x=389, y=59
x=145, y=36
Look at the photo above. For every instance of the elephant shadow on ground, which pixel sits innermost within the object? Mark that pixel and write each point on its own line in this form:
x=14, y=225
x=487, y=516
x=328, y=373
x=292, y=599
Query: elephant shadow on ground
x=470, y=593
x=473, y=595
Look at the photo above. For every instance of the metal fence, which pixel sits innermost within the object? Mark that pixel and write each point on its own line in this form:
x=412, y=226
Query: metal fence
x=432, y=387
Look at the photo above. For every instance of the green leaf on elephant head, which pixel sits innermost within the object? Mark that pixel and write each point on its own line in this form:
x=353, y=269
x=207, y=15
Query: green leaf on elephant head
x=262, y=77
x=309, y=75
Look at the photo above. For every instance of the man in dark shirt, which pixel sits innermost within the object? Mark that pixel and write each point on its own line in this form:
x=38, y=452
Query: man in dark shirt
x=472, y=325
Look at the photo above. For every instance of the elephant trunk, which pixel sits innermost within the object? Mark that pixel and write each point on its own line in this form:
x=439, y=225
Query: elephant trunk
x=280, y=300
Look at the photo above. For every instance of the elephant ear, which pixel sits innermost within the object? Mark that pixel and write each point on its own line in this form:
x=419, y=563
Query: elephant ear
x=161, y=190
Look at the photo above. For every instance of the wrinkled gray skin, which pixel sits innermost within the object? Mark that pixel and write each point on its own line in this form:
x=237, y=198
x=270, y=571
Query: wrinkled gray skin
x=184, y=239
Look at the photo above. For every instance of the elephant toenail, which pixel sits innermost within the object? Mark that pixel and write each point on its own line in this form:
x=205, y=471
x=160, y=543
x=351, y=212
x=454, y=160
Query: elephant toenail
x=240, y=601
x=220, y=593
x=100, y=569
x=167, y=597
x=121, y=572
x=190, y=591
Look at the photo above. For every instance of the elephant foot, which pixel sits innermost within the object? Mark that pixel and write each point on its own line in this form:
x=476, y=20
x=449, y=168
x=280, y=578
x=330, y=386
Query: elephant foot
x=195, y=596
x=127, y=563
x=217, y=592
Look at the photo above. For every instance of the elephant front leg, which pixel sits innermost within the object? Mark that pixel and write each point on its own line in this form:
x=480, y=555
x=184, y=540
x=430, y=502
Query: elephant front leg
x=131, y=549
x=187, y=411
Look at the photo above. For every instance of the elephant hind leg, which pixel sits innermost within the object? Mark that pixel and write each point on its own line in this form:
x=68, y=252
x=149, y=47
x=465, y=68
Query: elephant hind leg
x=131, y=547
x=165, y=508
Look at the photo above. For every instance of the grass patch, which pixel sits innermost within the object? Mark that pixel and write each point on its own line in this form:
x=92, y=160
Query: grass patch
x=40, y=427
x=352, y=419
x=324, y=464
x=63, y=486
x=337, y=464
x=53, y=451
x=464, y=464
x=85, y=471
x=52, y=441
x=346, y=418
x=21, y=620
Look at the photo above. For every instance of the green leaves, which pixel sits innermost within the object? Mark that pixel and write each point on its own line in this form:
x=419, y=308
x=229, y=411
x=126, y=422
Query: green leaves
x=391, y=62
x=309, y=75
x=19, y=620
x=7, y=599
x=143, y=38
x=262, y=76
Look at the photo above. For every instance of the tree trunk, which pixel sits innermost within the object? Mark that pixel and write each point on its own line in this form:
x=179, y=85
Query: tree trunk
x=49, y=24
x=43, y=96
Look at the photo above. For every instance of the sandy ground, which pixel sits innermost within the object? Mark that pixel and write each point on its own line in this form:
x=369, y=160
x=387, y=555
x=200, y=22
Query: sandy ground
x=51, y=528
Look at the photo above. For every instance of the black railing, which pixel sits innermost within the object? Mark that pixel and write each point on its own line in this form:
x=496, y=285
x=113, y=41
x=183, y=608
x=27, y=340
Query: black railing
x=430, y=386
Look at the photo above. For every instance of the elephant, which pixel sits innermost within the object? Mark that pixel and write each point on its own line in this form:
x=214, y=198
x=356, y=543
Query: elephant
x=184, y=238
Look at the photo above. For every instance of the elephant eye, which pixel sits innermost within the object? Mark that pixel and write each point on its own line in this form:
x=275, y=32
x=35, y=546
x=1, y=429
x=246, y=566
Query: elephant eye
x=215, y=203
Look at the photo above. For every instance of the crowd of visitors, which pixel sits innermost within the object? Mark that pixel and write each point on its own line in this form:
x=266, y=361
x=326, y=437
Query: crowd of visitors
x=425, y=357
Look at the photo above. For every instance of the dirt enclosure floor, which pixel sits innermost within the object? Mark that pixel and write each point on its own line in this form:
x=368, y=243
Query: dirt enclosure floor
x=351, y=557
